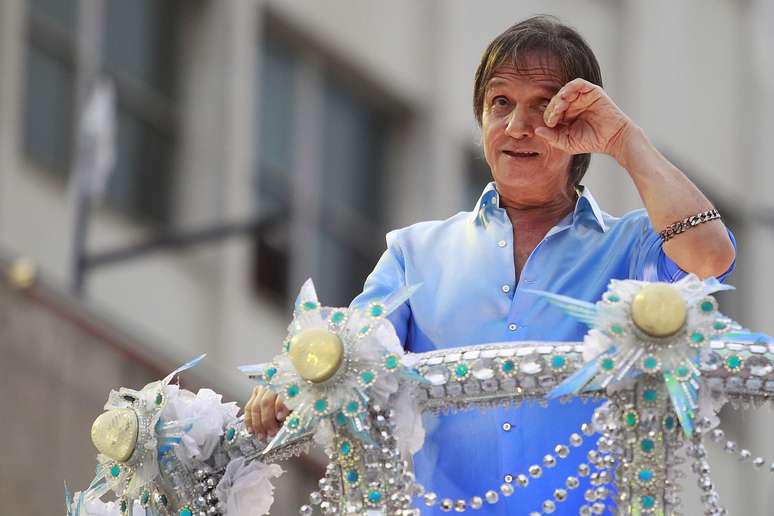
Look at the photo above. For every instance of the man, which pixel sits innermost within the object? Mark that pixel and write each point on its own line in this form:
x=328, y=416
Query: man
x=539, y=100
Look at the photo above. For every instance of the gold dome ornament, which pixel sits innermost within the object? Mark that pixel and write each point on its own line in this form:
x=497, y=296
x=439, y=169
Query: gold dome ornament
x=659, y=310
x=114, y=433
x=316, y=354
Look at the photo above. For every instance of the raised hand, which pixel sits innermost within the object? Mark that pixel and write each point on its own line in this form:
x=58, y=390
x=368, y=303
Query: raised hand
x=581, y=119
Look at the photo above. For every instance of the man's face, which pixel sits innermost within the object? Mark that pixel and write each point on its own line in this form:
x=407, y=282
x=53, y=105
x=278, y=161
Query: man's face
x=523, y=164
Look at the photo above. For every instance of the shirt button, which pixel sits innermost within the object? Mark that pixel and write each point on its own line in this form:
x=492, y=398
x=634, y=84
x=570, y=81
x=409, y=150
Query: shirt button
x=508, y=479
x=502, y=243
x=507, y=427
x=513, y=327
x=506, y=288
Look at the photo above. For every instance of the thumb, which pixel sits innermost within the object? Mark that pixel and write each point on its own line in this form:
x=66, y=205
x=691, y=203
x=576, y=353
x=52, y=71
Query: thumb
x=548, y=134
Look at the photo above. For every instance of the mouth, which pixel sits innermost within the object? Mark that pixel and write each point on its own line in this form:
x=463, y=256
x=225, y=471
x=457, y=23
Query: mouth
x=521, y=154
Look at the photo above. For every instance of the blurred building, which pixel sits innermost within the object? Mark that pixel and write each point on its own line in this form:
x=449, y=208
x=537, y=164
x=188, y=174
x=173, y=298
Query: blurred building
x=334, y=122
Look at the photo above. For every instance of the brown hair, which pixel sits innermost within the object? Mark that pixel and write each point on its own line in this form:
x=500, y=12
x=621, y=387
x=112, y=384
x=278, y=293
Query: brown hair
x=547, y=36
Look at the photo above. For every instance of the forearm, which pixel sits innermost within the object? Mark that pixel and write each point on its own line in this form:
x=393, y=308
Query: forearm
x=669, y=196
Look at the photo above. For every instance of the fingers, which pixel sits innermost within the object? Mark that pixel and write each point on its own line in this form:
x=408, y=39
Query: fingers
x=269, y=423
x=264, y=413
x=256, y=424
x=573, y=89
x=280, y=409
x=552, y=136
x=572, y=99
x=248, y=410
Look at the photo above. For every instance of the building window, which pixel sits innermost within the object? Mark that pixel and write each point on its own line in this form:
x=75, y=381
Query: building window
x=273, y=171
x=340, y=209
x=139, y=53
x=50, y=84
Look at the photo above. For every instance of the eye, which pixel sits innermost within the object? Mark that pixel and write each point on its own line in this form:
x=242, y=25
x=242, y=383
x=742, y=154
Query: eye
x=500, y=101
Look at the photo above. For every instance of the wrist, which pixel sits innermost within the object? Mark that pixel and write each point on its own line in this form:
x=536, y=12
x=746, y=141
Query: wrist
x=631, y=147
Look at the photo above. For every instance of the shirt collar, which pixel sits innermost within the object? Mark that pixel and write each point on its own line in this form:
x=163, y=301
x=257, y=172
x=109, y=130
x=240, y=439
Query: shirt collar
x=587, y=202
x=586, y=206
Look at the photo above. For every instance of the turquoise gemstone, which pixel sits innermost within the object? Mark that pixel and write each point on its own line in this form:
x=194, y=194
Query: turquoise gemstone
x=115, y=470
x=374, y=496
x=734, y=362
x=293, y=423
x=352, y=476
x=391, y=362
x=647, y=502
x=270, y=372
x=353, y=406
x=508, y=366
x=337, y=317
x=159, y=399
x=719, y=325
x=123, y=506
x=461, y=370
x=345, y=448
x=683, y=372
x=558, y=361
x=669, y=422
x=341, y=419
x=377, y=310
x=697, y=337
x=617, y=329
x=364, y=330
x=185, y=511
x=230, y=433
x=320, y=405
x=650, y=395
x=707, y=307
x=650, y=363
x=309, y=305
x=631, y=418
x=367, y=377
x=608, y=364
x=645, y=475
x=613, y=298
x=145, y=497
x=647, y=445
x=292, y=390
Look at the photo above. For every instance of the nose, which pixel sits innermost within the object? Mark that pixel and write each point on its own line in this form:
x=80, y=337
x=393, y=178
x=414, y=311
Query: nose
x=520, y=125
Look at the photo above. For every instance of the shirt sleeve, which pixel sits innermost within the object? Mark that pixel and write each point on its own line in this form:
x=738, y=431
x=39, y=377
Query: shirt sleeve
x=388, y=276
x=651, y=263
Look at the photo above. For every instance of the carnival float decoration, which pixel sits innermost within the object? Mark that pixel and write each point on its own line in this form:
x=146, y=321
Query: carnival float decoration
x=662, y=356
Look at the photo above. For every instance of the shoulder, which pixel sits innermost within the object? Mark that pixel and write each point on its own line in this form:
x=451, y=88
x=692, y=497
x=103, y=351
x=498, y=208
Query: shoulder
x=633, y=221
x=422, y=233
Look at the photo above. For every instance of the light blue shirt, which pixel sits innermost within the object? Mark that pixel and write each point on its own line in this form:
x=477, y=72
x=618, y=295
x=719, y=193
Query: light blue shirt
x=470, y=295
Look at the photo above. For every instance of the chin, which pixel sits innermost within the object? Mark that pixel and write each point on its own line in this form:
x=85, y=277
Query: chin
x=518, y=178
